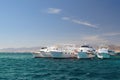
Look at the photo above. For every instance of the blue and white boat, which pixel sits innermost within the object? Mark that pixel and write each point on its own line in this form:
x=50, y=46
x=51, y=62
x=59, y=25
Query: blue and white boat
x=111, y=52
x=103, y=52
x=86, y=51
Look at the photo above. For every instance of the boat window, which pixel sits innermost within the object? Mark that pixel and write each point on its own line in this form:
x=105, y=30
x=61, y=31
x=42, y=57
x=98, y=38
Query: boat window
x=44, y=48
x=85, y=46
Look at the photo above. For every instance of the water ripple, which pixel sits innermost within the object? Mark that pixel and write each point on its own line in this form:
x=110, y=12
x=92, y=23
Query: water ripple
x=25, y=67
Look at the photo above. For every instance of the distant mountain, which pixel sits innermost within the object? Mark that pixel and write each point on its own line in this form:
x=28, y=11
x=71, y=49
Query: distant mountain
x=111, y=47
x=32, y=49
x=114, y=47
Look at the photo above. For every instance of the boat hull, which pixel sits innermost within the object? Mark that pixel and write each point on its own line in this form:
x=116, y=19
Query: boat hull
x=85, y=55
x=103, y=55
x=42, y=55
x=62, y=55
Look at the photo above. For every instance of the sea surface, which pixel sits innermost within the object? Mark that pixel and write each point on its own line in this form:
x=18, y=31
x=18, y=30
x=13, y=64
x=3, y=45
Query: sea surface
x=22, y=66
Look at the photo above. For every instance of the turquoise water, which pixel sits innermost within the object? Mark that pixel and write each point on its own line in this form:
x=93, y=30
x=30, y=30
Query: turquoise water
x=15, y=66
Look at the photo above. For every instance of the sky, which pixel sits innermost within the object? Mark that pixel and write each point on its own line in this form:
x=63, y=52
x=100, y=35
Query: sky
x=31, y=23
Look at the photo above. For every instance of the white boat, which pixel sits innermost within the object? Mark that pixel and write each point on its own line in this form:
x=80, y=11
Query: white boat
x=103, y=52
x=54, y=52
x=111, y=52
x=44, y=52
x=65, y=51
x=86, y=51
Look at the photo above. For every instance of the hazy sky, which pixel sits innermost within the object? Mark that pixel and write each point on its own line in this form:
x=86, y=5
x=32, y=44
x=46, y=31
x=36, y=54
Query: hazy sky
x=29, y=23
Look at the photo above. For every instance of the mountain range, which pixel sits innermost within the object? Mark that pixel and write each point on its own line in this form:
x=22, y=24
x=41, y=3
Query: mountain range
x=34, y=49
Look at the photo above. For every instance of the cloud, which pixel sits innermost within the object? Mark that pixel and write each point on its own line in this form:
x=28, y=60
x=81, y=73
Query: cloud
x=80, y=22
x=53, y=10
x=112, y=34
x=65, y=18
x=102, y=38
x=84, y=23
